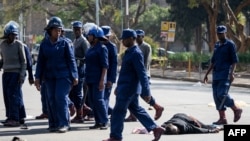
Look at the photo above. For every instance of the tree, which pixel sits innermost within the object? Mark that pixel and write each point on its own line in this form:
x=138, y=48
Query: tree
x=189, y=20
x=150, y=20
x=224, y=12
x=235, y=28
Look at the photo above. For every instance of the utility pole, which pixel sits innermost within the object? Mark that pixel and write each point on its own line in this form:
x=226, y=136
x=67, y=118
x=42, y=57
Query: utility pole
x=97, y=12
x=21, y=37
x=122, y=15
x=127, y=13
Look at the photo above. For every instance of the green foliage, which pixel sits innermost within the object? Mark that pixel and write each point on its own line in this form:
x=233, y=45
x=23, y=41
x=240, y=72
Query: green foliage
x=244, y=57
x=150, y=20
x=184, y=57
x=188, y=18
x=196, y=58
x=39, y=39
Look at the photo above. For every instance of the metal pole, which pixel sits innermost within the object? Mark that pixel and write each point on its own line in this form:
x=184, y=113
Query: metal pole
x=97, y=12
x=122, y=15
x=127, y=13
x=21, y=23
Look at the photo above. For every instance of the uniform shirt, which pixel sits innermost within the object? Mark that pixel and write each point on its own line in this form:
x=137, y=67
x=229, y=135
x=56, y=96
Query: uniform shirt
x=56, y=60
x=223, y=57
x=147, y=52
x=112, y=57
x=132, y=72
x=81, y=46
x=96, y=59
x=29, y=62
x=13, y=56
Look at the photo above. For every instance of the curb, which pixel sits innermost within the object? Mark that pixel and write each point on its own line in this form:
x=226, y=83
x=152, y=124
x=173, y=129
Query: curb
x=191, y=79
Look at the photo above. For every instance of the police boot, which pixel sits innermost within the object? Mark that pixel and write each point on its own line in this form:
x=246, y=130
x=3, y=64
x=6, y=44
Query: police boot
x=237, y=113
x=85, y=111
x=158, y=108
x=78, y=118
x=158, y=111
x=72, y=110
x=222, y=120
x=130, y=118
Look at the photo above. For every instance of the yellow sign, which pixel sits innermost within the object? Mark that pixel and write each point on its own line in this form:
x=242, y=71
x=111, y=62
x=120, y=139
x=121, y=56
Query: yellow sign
x=168, y=26
x=171, y=36
x=172, y=26
x=164, y=26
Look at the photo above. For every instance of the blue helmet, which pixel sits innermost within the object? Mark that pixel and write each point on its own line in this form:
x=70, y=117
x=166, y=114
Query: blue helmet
x=107, y=30
x=10, y=29
x=77, y=24
x=97, y=32
x=54, y=22
x=140, y=32
x=221, y=29
x=87, y=26
x=127, y=33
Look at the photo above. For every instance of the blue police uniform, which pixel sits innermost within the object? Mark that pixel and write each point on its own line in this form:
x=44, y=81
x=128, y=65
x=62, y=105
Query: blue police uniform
x=57, y=67
x=132, y=73
x=96, y=59
x=223, y=57
x=112, y=71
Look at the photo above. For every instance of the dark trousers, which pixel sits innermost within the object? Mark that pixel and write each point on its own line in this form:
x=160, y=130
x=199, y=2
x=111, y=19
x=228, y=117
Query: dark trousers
x=13, y=97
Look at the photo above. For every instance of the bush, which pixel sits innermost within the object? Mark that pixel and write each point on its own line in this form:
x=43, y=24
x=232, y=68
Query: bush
x=244, y=58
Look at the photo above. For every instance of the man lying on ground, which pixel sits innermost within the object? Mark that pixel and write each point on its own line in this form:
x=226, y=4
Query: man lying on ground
x=181, y=123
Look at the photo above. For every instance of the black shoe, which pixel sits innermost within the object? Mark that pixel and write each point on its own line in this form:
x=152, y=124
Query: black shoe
x=52, y=129
x=21, y=121
x=3, y=122
x=12, y=123
x=96, y=126
x=42, y=116
x=104, y=126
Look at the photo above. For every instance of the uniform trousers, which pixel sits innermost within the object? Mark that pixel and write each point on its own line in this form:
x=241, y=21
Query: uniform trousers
x=220, y=94
x=131, y=102
x=57, y=93
x=13, y=96
x=96, y=101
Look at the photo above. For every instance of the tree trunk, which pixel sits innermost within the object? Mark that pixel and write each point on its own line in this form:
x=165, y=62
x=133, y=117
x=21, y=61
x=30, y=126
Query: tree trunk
x=212, y=9
x=198, y=38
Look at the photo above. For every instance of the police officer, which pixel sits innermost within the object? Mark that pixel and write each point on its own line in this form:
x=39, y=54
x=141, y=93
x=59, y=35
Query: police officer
x=81, y=46
x=112, y=70
x=14, y=63
x=132, y=73
x=56, y=65
x=223, y=64
x=96, y=72
x=147, y=52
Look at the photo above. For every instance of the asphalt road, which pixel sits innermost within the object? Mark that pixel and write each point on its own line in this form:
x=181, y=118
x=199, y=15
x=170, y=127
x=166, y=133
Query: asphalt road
x=176, y=96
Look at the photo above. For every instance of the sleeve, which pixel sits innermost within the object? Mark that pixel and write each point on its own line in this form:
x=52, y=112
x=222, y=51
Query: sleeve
x=147, y=55
x=141, y=73
x=104, y=57
x=29, y=62
x=40, y=63
x=23, y=60
x=233, y=54
x=71, y=59
x=198, y=130
x=112, y=73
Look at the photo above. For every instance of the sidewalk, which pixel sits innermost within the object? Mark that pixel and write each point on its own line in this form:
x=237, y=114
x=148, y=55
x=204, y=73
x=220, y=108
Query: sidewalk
x=242, y=79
